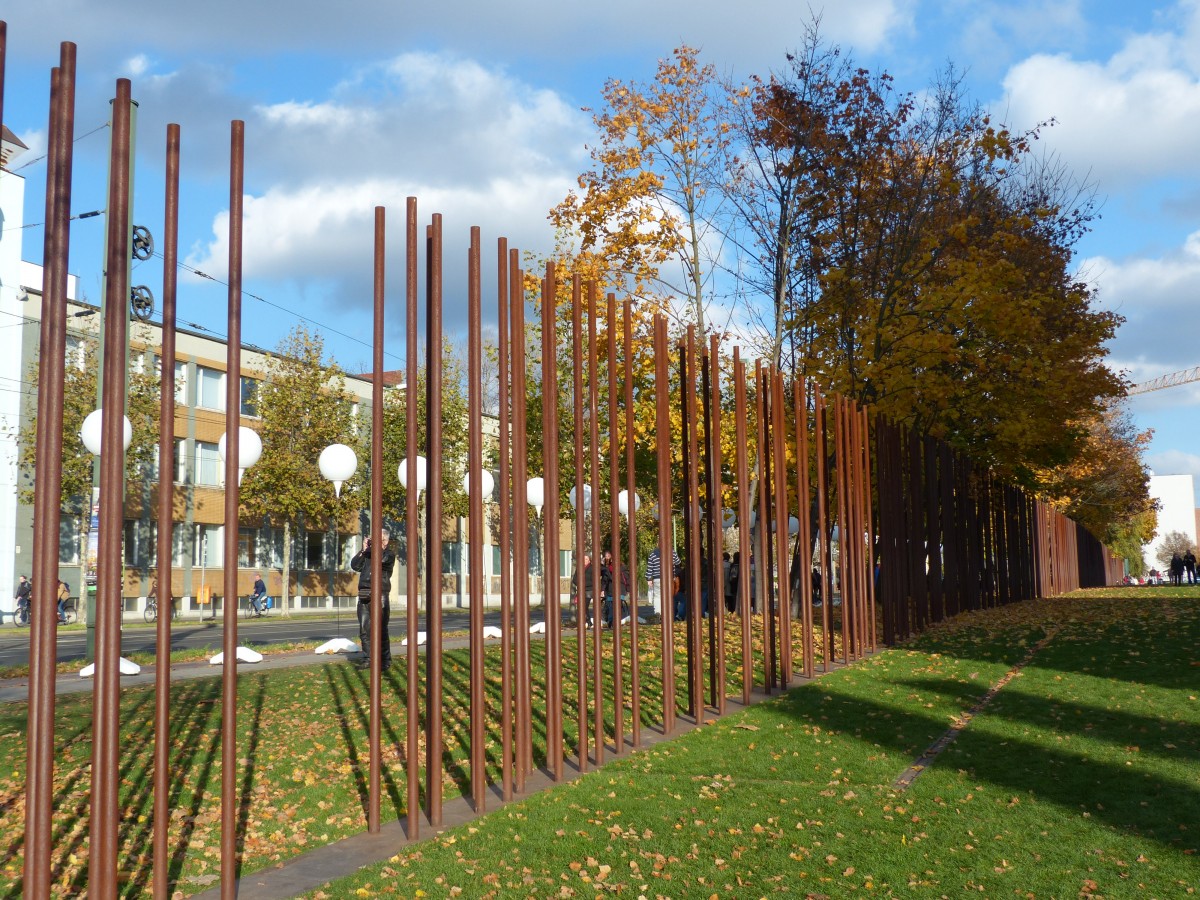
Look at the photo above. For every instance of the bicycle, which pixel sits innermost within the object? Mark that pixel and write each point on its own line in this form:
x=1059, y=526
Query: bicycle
x=21, y=613
x=264, y=606
x=152, y=610
x=70, y=615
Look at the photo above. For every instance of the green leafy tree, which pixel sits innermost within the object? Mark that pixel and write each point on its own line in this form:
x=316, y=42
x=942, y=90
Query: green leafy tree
x=304, y=408
x=80, y=397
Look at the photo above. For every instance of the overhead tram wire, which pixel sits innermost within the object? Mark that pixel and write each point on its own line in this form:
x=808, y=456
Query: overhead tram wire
x=38, y=159
x=319, y=325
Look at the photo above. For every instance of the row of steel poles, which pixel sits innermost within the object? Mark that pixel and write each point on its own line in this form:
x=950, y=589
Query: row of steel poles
x=864, y=521
x=953, y=537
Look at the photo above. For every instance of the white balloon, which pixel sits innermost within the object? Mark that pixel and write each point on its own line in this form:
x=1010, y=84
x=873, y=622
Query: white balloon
x=249, y=447
x=587, y=497
x=488, y=483
x=422, y=473
x=729, y=519
x=623, y=503
x=92, y=430
x=793, y=525
x=535, y=492
x=337, y=463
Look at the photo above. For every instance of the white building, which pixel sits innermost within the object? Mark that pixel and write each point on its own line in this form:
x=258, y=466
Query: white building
x=1176, y=512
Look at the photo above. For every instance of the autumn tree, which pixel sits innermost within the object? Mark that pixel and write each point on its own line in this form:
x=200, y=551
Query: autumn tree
x=650, y=200
x=304, y=408
x=1173, y=542
x=80, y=393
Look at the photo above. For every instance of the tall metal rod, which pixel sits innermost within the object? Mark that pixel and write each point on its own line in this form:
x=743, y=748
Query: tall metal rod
x=433, y=527
x=635, y=681
x=43, y=641
x=843, y=526
x=769, y=506
x=412, y=570
x=614, y=525
x=666, y=548
x=582, y=504
x=105, y=821
x=551, y=593
x=166, y=490
x=230, y=862
x=377, y=598
x=692, y=502
x=783, y=536
x=524, y=742
x=716, y=599
x=743, y=499
x=820, y=449
x=505, y=512
x=594, y=461
x=803, y=506
x=478, y=711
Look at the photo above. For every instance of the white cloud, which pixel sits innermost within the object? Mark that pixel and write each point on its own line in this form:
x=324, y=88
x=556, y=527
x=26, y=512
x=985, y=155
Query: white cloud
x=137, y=66
x=1158, y=298
x=1174, y=462
x=1127, y=119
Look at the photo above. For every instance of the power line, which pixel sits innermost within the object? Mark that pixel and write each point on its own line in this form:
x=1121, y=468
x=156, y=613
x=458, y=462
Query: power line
x=29, y=163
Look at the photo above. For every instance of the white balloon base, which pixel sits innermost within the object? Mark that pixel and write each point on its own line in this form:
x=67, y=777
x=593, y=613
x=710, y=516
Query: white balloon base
x=420, y=639
x=537, y=628
x=338, y=645
x=127, y=668
x=491, y=631
x=244, y=654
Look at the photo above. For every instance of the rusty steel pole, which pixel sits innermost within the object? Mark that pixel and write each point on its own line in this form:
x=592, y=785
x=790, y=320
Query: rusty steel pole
x=666, y=547
x=716, y=599
x=635, y=681
x=478, y=711
x=804, y=507
x=106, y=728
x=412, y=537
x=377, y=599
x=524, y=723
x=230, y=863
x=820, y=448
x=692, y=501
x=762, y=522
x=594, y=461
x=505, y=513
x=551, y=592
x=43, y=640
x=743, y=497
x=582, y=505
x=784, y=541
x=166, y=492
x=433, y=526
x=614, y=525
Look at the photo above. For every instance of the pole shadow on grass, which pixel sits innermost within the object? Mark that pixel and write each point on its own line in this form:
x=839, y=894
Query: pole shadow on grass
x=1018, y=764
x=251, y=757
x=349, y=699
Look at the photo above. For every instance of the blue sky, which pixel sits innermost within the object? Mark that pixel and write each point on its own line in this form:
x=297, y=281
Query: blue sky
x=476, y=109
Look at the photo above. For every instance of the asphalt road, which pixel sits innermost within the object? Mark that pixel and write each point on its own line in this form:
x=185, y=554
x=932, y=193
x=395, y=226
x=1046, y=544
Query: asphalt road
x=72, y=643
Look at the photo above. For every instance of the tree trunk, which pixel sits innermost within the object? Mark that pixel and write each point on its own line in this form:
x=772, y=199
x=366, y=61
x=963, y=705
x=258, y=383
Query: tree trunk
x=287, y=568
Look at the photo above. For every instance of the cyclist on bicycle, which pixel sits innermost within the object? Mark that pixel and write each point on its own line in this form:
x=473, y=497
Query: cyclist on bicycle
x=64, y=594
x=258, y=598
x=24, y=590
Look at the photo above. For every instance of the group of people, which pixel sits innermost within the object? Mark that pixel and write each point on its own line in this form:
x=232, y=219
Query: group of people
x=1183, y=566
x=24, y=598
x=607, y=581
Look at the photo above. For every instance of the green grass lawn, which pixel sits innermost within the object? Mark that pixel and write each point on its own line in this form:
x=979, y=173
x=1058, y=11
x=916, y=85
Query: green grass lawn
x=1080, y=779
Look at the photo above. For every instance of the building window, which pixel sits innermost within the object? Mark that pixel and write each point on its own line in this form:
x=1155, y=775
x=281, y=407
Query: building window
x=349, y=547
x=74, y=357
x=209, y=546
x=208, y=464
x=180, y=379
x=247, y=544
x=68, y=540
x=210, y=388
x=452, y=554
x=141, y=543
x=314, y=550
x=250, y=389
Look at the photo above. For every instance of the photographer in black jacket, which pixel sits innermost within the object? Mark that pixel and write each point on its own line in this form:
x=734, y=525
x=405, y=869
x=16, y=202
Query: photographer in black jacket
x=361, y=563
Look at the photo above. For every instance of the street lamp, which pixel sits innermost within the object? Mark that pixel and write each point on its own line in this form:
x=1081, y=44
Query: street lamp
x=337, y=463
x=90, y=432
x=249, y=449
